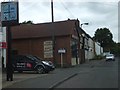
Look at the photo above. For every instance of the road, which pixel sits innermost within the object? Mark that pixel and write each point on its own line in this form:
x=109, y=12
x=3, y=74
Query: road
x=101, y=75
x=96, y=74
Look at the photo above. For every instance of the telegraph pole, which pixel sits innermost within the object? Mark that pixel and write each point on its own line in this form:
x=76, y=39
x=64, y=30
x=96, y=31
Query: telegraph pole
x=9, y=56
x=53, y=34
x=52, y=10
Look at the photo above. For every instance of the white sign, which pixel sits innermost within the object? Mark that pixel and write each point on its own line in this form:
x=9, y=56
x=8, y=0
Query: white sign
x=61, y=51
x=48, y=49
x=8, y=11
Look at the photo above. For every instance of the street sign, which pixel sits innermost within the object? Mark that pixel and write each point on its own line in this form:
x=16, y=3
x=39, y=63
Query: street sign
x=3, y=45
x=61, y=51
x=9, y=13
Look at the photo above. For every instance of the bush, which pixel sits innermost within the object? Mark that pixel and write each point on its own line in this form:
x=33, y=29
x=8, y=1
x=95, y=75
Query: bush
x=98, y=57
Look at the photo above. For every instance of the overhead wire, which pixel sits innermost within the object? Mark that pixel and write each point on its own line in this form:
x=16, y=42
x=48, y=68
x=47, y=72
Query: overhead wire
x=67, y=9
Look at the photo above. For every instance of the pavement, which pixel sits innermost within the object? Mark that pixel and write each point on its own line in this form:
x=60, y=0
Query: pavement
x=18, y=77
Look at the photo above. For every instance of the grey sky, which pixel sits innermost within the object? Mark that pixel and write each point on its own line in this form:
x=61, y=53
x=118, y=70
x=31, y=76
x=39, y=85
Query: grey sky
x=98, y=14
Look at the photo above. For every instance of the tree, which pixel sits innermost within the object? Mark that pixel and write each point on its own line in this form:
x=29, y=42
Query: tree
x=116, y=49
x=104, y=37
x=27, y=22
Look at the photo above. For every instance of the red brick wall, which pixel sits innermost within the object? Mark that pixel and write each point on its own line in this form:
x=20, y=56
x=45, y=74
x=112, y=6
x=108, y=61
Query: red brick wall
x=63, y=42
x=36, y=47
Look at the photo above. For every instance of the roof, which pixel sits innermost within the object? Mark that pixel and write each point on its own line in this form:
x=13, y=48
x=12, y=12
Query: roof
x=43, y=29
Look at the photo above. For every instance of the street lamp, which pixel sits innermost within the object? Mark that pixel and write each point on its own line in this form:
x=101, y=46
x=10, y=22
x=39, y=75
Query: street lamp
x=84, y=24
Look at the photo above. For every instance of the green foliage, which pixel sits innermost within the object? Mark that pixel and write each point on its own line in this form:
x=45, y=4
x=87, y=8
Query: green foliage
x=98, y=57
x=104, y=37
x=27, y=22
x=116, y=49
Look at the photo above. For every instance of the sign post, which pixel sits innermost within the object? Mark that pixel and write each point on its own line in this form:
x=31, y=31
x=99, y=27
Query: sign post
x=9, y=17
x=61, y=54
x=61, y=51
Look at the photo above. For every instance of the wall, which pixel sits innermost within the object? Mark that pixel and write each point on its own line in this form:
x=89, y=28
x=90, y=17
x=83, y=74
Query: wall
x=91, y=53
x=86, y=47
x=36, y=47
x=63, y=42
x=30, y=46
x=98, y=49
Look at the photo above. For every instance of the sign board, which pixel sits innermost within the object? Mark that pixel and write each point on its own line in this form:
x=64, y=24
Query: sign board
x=9, y=13
x=3, y=45
x=48, y=49
x=61, y=51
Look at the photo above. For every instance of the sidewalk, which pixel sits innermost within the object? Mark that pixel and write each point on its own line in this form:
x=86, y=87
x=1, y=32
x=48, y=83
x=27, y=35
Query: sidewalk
x=18, y=77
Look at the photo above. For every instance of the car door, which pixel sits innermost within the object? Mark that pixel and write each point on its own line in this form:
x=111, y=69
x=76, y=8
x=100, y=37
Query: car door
x=20, y=63
x=29, y=64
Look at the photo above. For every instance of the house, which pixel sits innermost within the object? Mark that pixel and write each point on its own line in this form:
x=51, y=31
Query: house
x=98, y=48
x=46, y=39
x=62, y=42
x=91, y=53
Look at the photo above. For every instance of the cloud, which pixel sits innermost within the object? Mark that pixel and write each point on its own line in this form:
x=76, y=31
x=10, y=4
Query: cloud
x=99, y=14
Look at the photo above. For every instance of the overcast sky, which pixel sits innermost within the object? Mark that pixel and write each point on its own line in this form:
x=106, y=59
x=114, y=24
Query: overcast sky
x=98, y=14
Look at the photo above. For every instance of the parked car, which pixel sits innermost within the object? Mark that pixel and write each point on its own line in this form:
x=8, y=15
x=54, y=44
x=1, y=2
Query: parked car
x=110, y=57
x=31, y=63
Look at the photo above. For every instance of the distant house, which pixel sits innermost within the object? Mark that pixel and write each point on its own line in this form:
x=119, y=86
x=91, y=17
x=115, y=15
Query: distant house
x=91, y=53
x=98, y=48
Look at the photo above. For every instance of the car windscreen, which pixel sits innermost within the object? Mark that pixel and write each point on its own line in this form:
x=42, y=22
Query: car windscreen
x=110, y=55
x=33, y=58
x=38, y=58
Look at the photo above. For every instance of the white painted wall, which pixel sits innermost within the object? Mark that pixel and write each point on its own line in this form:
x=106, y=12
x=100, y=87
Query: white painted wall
x=91, y=53
x=98, y=48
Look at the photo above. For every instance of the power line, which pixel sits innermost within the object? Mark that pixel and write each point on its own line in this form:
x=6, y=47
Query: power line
x=67, y=9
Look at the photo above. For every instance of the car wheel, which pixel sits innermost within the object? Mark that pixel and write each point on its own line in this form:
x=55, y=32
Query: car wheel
x=40, y=70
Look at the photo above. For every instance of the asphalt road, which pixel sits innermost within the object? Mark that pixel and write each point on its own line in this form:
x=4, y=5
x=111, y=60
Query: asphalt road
x=96, y=74
x=101, y=75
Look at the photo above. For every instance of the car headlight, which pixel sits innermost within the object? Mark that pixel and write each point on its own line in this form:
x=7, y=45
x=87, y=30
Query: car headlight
x=45, y=62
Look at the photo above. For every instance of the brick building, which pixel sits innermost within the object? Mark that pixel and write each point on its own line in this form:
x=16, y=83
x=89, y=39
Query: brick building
x=48, y=40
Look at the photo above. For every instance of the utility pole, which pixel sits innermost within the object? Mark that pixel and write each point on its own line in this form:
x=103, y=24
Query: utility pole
x=52, y=10
x=53, y=33
x=9, y=56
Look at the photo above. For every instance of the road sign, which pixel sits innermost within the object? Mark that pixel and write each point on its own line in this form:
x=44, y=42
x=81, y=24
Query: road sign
x=3, y=45
x=61, y=51
x=9, y=13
